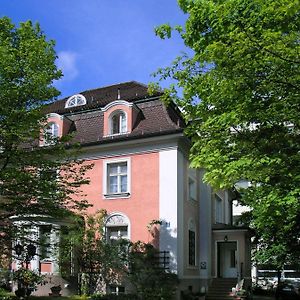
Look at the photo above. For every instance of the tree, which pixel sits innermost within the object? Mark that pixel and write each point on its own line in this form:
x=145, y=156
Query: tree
x=241, y=87
x=99, y=262
x=118, y=262
x=33, y=180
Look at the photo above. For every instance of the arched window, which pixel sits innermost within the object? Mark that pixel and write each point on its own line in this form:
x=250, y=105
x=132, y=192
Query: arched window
x=117, y=228
x=192, y=243
x=118, y=123
x=51, y=133
x=75, y=100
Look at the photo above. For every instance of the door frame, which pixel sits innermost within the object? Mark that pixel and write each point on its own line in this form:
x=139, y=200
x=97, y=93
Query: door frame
x=218, y=244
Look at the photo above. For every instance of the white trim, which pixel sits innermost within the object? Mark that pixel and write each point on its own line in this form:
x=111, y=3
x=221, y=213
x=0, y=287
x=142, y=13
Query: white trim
x=74, y=96
x=126, y=194
x=132, y=146
x=55, y=115
x=115, y=103
x=168, y=201
x=237, y=256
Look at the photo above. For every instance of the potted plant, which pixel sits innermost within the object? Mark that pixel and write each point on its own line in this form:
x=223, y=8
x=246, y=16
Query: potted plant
x=55, y=290
x=27, y=281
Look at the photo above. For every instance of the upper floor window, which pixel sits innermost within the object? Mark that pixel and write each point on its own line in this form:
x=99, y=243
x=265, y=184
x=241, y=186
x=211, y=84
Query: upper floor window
x=51, y=133
x=219, y=209
x=192, y=189
x=116, y=178
x=118, y=123
x=75, y=100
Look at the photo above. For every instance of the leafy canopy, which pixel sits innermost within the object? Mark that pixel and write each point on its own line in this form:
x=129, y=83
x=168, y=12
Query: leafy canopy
x=33, y=180
x=240, y=98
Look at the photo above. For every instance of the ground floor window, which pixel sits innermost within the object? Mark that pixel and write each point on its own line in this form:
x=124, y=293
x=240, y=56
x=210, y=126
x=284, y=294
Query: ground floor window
x=117, y=228
x=192, y=244
x=116, y=289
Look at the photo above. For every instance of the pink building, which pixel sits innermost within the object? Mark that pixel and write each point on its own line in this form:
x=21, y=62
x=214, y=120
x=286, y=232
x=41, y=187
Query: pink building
x=141, y=173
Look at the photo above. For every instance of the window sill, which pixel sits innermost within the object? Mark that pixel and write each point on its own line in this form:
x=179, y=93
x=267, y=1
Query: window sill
x=116, y=134
x=190, y=267
x=117, y=195
x=192, y=200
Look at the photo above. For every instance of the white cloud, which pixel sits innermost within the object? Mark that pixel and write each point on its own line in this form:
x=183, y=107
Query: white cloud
x=66, y=62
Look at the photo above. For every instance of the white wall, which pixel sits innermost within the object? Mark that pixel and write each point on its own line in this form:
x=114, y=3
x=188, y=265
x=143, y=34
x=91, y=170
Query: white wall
x=168, y=204
x=205, y=217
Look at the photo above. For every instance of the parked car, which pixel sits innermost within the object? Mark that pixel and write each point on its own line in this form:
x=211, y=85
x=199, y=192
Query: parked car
x=287, y=291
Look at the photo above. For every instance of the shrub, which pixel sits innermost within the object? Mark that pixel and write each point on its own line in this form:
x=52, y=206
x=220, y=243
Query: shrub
x=115, y=297
x=4, y=295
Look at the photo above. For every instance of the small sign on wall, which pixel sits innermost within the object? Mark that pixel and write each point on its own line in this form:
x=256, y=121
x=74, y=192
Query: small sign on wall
x=203, y=265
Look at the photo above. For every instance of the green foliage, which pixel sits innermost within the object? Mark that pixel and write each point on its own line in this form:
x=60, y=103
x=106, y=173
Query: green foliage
x=27, y=277
x=27, y=184
x=121, y=262
x=150, y=280
x=115, y=297
x=4, y=295
x=100, y=262
x=241, y=102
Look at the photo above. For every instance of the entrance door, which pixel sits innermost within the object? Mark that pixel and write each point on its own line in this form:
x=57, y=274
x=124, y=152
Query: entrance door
x=227, y=259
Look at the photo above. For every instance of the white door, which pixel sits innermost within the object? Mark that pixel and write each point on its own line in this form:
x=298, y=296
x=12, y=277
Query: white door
x=227, y=259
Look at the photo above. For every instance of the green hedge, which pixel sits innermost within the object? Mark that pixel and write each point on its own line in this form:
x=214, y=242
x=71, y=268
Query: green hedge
x=115, y=297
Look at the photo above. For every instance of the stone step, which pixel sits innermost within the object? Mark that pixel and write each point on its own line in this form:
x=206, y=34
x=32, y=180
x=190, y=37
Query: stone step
x=220, y=289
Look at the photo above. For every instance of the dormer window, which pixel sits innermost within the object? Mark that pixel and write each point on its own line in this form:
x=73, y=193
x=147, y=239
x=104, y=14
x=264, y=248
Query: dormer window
x=75, y=100
x=118, y=123
x=51, y=132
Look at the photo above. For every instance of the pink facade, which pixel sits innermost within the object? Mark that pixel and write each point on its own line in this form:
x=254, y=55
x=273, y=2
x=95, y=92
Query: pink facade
x=142, y=205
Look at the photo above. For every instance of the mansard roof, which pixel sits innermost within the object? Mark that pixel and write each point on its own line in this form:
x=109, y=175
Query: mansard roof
x=131, y=91
x=154, y=117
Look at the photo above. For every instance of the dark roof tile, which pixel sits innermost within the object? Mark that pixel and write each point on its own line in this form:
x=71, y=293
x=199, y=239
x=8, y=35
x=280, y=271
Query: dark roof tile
x=129, y=91
x=153, y=118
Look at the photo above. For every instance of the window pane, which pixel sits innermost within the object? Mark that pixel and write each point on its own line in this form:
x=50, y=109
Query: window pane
x=115, y=124
x=123, y=168
x=219, y=210
x=124, y=183
x=123, y=123
x=55, y=130
x=192, y=248
x=117, y=177
x=113, y=184
x=113, y=169
x=192, y=189
x=44, y=240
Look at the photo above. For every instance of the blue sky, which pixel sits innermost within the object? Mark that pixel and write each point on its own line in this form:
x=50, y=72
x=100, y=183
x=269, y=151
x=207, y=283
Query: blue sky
x=103, y=42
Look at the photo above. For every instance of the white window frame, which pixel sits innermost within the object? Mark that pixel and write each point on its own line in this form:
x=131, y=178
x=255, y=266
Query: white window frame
x=75, y=100
x=119, y=220
x=119, y=194
x=117, y=287
x=120, y=114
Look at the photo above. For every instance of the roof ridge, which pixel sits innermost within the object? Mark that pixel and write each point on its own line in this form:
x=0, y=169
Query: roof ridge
x=112, y=85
